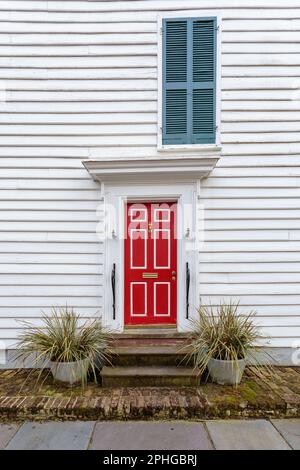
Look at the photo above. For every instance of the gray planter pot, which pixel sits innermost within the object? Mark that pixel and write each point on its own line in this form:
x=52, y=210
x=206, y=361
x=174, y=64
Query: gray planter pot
x=226, y=372
x=69, y=372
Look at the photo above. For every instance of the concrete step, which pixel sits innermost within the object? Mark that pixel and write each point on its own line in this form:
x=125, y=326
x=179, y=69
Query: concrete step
x=166, y=355
x=155, y=376
x=161, y=331
x=150, y=338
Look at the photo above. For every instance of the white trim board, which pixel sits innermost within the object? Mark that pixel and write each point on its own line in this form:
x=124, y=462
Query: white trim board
x=170, y=168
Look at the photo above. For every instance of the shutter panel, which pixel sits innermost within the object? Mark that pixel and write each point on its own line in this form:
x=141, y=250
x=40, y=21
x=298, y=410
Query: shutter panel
x=204, y=81
x=175, y=82
x=189, y=81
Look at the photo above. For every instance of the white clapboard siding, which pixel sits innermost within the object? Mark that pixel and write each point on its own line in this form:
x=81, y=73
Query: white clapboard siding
x=75, y=74
x=54, y=268
x=244, y=192
x=88, y=84
x=261, y=72
x=271, y=215
x=50, y=290
x=255, y=245
x=86, y=96
x=77, y=51
x=67, y=261
x=74, y=173
x=78, y=80
x=52, y=248
x=47, y=205
x=50, y=237
x=80, y=28
x=44, y=216
x=248, y=278
x=249, y=268
x=120, y=16
x=290, y=161
x=252, y=182
x=246, y=235
x=255, y=300
x=249, y=259
x=248, y=203
x=55, y=279
x=257, y=225
x=80, y=39
x=88, y=107
x=94, y=129
x=57, y=299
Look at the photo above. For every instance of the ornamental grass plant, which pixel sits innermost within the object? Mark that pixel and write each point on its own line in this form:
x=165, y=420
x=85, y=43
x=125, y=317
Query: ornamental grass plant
x=224, y=333
x=64, y=337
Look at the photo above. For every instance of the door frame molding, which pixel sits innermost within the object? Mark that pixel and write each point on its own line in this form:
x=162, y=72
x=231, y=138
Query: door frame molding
x=117, y=195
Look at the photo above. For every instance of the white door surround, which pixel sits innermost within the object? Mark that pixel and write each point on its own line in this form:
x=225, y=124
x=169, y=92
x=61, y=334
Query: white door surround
x=114, y=198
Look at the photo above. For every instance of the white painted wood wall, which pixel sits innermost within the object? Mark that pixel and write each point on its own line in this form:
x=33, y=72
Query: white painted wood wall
x=79, y=80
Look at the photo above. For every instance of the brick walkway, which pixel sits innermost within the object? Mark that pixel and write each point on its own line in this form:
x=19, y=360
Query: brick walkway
x=236, y=435
x=273, y=397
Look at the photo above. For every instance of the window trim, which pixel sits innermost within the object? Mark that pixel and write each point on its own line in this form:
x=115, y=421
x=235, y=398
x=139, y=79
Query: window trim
x=187, y=147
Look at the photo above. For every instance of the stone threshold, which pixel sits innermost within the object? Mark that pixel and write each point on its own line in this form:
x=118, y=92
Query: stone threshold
x=277, y=396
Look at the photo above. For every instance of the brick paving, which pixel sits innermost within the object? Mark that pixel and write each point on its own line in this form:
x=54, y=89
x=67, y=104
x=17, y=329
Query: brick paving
x=275, y=396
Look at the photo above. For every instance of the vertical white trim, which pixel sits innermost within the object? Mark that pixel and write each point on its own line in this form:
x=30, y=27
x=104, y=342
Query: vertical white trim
x=188, y=14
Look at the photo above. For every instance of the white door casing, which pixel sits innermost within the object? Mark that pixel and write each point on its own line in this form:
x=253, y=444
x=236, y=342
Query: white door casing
x=115, y=196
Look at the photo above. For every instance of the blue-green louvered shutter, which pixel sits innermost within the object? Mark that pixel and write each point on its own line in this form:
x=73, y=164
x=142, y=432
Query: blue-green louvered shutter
x=175, y=82
x=204, y=81
x=189, y=81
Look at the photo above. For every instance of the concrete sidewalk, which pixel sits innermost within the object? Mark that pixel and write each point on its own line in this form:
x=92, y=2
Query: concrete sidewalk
x=171, y=435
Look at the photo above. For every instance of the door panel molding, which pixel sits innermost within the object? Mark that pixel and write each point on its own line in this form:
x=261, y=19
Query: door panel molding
x=157, y=227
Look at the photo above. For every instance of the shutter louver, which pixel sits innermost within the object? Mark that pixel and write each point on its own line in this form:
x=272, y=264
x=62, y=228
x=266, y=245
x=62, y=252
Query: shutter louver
x=204, y=64
x=176, y=51
x=175, y=82
x=176, y=122
x=189, y=81
x=203, y=114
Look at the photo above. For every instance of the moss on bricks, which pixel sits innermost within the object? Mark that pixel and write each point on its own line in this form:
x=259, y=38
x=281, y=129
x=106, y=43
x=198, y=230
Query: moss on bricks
x=275, y=396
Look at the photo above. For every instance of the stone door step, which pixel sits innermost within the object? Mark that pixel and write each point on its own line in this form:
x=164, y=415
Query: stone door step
x=154, y=376
x=160, y=355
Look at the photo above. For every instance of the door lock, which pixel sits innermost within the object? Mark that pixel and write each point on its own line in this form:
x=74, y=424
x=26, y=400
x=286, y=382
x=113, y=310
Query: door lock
x=173, y=273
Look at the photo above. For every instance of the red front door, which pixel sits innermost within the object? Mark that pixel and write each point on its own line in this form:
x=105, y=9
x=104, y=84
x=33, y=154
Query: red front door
x=150, y=264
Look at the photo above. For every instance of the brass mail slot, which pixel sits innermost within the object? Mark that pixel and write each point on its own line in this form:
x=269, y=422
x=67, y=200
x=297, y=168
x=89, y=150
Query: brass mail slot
x=150, y=275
